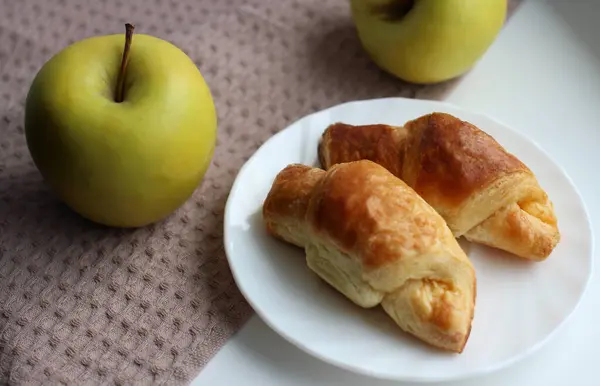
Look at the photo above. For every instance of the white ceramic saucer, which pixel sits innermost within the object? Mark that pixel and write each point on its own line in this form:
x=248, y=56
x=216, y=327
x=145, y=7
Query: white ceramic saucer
x=519, y=304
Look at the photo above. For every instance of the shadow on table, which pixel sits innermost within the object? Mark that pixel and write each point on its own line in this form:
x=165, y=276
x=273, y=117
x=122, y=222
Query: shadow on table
x=28, y=209
x=582, y=19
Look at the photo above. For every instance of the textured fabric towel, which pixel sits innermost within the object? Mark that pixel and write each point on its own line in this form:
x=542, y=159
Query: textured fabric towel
x=83, y=304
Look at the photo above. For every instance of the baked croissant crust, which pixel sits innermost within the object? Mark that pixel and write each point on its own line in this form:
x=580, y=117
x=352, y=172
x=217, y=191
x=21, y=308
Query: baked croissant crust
x=371, y=237
x=482, y=191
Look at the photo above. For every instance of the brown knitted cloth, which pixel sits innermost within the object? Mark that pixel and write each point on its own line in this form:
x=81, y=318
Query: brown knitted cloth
x=84, y=304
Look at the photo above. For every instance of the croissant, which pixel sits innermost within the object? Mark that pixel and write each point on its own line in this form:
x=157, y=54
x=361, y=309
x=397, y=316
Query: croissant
x=373, y=239
x=482, y=191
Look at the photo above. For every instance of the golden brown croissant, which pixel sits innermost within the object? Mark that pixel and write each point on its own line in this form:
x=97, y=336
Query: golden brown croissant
x=371, y=237
x=483, y=192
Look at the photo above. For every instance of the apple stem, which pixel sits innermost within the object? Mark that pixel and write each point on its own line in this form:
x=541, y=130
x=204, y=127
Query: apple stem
x=120, y=92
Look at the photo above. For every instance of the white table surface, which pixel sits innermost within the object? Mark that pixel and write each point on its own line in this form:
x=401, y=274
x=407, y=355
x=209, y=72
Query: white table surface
x=541, y=76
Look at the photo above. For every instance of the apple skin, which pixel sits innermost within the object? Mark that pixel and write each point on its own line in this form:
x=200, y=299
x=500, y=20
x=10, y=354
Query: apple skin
x=436, y=40
x=124, y=164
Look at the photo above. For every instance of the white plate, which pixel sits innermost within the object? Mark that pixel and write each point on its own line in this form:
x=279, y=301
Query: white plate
x=519, y=304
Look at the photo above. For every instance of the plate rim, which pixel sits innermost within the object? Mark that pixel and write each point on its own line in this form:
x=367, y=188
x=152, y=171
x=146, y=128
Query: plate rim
x=374, y=374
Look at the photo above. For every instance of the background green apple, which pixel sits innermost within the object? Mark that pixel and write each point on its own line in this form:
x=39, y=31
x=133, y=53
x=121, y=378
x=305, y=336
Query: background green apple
x=122, y=164
x=427, y=41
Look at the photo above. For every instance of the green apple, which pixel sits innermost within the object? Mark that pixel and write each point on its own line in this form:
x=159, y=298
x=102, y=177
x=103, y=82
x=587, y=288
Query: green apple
x=129, y=162
x=427, y=41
